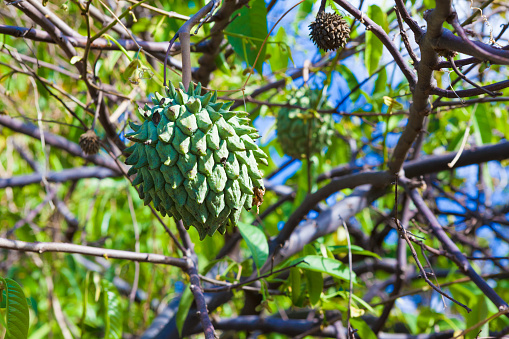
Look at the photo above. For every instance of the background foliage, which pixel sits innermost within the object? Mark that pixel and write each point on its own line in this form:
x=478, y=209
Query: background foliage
x=73, y=296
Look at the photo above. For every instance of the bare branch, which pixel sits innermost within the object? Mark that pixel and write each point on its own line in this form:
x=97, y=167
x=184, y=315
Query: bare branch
x=414, y=26
x=379, y=179
x=195, y=284
x=41, y=247
x=62, y=176
x=460, y=260
x=420, y=106
x=384, y=38
x=56, y=141
x=481, y=51
x=470, y=92
x=450, y=42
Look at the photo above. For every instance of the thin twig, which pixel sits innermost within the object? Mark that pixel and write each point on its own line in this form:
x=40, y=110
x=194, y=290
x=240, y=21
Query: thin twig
x=350, y=273
x=136, y=230
x=462, y=76
x=404, y=234
x=460, y=260
x=229, y=287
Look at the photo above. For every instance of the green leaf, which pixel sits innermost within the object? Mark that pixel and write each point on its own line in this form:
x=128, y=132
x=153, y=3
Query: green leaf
x=355, y=250
x=256, y=241
x=42, y=332
x=247, y=32
x=381, y=82
x=482, y=124
x=330, y=266
x=185, y=304
x=351, y=80
x=471, y=296
x=222, y=65
x=362, y=328
x=304, y=9
x=314, y=279
x=374, y=47
x=17, y=318
x=295, y=284
x=113, y=314
x=279, y=51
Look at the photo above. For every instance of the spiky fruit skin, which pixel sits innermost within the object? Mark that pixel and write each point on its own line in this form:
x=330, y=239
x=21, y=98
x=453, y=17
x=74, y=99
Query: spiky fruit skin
x=329, y=31
x=196, y=160
x=89, y=142
x=301, y=132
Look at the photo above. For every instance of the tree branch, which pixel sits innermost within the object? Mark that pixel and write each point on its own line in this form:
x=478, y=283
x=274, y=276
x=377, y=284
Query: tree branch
x=41, y=247
x=378, y=179
x=56, y=141
x=450, y=42
x=62, y=176
x=383, y=37
x=460, y=260
x=482, y=51
x=469, y=92
x=420, y=107
x=407, y=18
x=195, y=284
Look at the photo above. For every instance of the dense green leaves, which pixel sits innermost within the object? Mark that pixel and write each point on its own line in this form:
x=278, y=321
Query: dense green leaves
x=93, y=308
x=478, y=302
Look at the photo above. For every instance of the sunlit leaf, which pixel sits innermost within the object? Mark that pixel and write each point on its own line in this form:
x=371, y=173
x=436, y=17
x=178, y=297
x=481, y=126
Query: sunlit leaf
x=256, y=242
x=279, y=51
x=248, y=30
x=112, y=305
x=17, y=318
x=329, y=266
x=374, y=47
x=363, y=329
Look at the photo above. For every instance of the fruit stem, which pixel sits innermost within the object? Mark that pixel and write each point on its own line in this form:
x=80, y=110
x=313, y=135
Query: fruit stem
x=184, y=35
x=322, y=6
x=185, y=46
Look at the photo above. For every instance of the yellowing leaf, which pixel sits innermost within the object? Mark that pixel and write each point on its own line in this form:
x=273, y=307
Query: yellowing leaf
x=75, y=59
x=392, y=103
x=356, y=312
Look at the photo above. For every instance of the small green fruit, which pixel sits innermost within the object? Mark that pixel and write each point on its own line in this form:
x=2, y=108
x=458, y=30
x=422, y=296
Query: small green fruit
x=303, y=132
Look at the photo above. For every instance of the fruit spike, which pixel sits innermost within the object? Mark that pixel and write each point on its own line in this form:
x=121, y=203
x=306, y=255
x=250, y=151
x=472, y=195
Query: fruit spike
x=329, y=31
x=195, y=159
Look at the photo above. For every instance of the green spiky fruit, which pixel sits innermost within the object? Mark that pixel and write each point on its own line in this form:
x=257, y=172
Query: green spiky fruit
x=195, y=159
x=303, y=132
